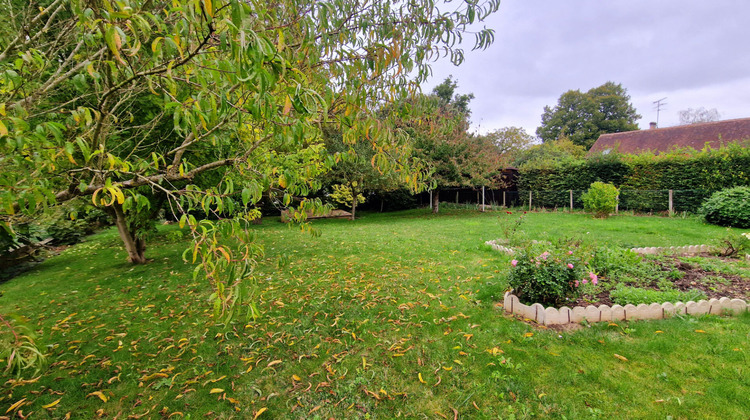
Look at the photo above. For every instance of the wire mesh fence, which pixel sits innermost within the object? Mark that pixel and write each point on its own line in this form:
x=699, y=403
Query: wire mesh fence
x=639, y=201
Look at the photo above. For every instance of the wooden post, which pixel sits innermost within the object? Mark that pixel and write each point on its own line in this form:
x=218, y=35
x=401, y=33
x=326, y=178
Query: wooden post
x=671, y=204
x=617, y=204
x=529, y=200
x=504, y=198
x=571, y=200
x=482, y=198
x=430, y=198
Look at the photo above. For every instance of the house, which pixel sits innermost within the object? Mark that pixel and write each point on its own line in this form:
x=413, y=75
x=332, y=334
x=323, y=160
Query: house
x=660, y=140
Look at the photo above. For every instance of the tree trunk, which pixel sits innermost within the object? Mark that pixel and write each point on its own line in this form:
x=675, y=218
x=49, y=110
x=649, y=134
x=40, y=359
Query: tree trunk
x=136, y=247
x=354, y=201
x=435, y=201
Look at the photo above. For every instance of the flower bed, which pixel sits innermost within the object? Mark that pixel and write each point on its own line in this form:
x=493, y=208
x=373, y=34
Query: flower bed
x=605, y=284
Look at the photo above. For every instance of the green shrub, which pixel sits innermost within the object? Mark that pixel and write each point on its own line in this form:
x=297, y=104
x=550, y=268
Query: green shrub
x=623, y=295
x=546, y=274
x=728, y=207
x=600, y=199
x=67, y=232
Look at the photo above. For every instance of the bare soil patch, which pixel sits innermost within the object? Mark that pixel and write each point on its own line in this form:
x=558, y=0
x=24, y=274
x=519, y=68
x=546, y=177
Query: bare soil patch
x=714, y=284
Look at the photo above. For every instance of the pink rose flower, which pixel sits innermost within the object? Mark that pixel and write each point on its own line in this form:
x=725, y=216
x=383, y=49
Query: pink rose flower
x=514, y=263
x=570, y=265
x=585, y=281
x=570, y=252
x=594, y=278
x=576, y=282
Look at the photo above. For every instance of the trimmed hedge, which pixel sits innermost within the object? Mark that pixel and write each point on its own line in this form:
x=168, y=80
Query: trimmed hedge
x=643, y=180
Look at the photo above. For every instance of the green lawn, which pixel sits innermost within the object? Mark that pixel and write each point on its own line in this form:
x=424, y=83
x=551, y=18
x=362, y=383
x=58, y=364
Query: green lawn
x=377, y=318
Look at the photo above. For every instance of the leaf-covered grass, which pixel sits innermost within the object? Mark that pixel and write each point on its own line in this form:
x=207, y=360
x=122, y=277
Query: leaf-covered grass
x=377, y=318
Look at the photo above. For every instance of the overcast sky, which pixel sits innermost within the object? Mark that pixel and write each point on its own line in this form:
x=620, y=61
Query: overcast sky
x=694, y=53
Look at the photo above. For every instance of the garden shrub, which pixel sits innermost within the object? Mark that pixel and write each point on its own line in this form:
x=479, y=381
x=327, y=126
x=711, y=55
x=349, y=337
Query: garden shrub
x=600, y=199
x=547, y=274
x=728, y=207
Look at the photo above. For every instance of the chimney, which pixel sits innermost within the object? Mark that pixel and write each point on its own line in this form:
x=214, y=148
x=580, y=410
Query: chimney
x=651, y=125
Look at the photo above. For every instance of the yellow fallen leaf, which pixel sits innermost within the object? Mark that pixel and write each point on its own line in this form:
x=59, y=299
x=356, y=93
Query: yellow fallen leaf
x=420, y=378
x=458, y=362
x=274, y=363
x=296, y=378
x=528, y=334
x=658, y=332
x=624, y=359
x=16, y=405
x=448, y=368
x=216, y=391
x=98, y=394
x=261, y=411
x=700, y=331
x=53, y=403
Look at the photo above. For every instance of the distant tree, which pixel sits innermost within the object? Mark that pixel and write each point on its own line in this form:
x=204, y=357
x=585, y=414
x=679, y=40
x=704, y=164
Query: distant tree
x=583, y=117
x=353, y=173
x=439, y=125
x=698, y=115
x=548, y=155
x=510, y=142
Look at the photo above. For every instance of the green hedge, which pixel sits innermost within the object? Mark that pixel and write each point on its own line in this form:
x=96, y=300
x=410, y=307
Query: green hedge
x=643, y=180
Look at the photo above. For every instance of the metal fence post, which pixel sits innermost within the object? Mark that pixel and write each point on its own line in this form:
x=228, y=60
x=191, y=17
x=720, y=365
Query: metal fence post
x=482, y=198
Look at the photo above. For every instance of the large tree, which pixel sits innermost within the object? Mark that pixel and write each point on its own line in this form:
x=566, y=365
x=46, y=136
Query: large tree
x=698, y=115
x=510, y=143
x=439, y=124
x=206, y=104
x=583, y=117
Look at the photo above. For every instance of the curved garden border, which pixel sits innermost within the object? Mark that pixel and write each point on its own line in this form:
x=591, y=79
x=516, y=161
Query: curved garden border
x=683, y=250
x=605, y=313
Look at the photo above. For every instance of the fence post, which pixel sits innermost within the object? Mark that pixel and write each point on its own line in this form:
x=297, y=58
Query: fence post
x=617, y=204
x=671, y=206
x=504, y=198
x=529, y=200
x=571, y=200
x=483, y=198
x=430, y=198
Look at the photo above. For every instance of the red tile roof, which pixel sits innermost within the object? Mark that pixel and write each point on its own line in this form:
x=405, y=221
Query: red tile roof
x=661, y=140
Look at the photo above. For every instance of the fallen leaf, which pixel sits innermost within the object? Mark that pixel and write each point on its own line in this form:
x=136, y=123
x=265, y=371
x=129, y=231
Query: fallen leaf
x=16, y=405
x=624, y=359
x=259, y=412
x=216, y=391
x=98, y=394
x=52, y=404
x=274, y=363
x=420, y=378
x=700, y=331
x=528, y=334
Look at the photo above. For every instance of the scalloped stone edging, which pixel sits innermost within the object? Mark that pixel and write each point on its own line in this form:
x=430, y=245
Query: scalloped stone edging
x=565, y=315
x=497, y=247
x=684, y=250
x=687, y=249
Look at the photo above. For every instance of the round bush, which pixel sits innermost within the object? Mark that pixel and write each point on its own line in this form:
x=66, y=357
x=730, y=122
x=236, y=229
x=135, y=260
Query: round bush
x=728, y=207
x=600, y=199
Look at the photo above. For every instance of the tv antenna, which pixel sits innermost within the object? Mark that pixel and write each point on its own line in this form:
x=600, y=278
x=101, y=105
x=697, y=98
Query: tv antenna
x=659, y=104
